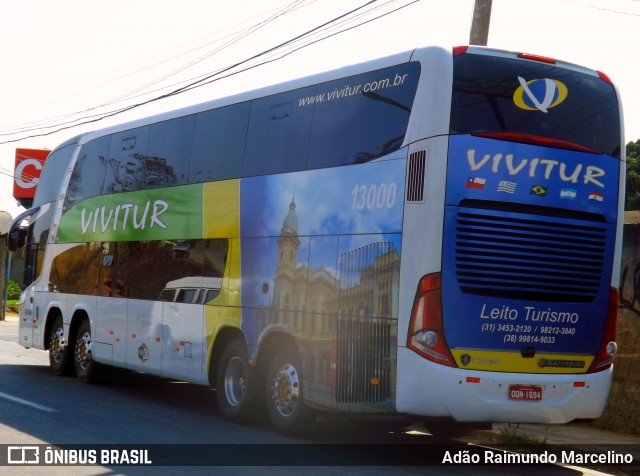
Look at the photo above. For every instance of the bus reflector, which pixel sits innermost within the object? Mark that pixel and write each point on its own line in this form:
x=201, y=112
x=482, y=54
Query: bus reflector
x=579, y=384
x=608, y=347
x=473, y=379
x=426, y=334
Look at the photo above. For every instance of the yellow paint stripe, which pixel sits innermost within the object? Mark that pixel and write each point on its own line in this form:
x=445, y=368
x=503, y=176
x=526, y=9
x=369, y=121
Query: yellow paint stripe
x=541, y=363
x=221, y=209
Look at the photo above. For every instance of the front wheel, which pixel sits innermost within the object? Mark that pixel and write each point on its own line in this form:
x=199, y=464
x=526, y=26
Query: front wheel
x=285, y=404
x=83, y=360
x=233, y=382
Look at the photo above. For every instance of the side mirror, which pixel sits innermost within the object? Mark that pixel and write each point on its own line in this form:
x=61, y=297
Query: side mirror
x=17, y=238
x=17, y=235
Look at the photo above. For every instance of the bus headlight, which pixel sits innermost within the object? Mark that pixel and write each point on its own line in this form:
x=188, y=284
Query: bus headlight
x=612, y=348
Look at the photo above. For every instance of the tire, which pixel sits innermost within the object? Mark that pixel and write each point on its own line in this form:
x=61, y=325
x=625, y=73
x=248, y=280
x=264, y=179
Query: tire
x=59, y=352
x=86, y=368
x=234, y=381
x=285, y=393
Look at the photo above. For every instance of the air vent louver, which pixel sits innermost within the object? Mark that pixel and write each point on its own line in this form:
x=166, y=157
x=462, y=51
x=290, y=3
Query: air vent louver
x=415, y=176
x=532, y=257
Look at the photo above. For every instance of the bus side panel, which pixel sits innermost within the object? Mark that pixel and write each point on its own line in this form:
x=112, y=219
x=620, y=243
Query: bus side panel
x=422, y=231
x=320, y=262
x=25, y=326
x=144, y=336
x=221, y=212
x=183, y=336
x=111, y=327
x=33, y=321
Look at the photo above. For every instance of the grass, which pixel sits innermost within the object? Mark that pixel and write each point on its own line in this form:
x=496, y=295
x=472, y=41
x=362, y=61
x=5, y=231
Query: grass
x=510, y=436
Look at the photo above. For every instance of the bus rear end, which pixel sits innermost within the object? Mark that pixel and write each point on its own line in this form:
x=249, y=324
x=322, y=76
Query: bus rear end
x=519, y=323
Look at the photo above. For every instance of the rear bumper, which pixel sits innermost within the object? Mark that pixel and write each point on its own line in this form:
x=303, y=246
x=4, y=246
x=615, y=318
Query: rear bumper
x=428, y=389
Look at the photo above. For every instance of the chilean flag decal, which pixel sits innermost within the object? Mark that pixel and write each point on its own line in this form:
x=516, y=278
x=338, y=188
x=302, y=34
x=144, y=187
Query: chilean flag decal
x=476, y=182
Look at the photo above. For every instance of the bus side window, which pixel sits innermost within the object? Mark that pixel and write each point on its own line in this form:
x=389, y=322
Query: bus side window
x=87, y=178
x=169, y=153
x=187, y=295
x=367, y=118
x=219, y=142
x=279, y=131
x=126, y=161
x=167, y=295
x=209, y=295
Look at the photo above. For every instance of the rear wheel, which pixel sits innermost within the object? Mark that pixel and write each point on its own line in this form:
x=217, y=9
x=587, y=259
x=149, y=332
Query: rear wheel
x=59, y=358
x=84, y=364
x=285, y=403
x=233, y=382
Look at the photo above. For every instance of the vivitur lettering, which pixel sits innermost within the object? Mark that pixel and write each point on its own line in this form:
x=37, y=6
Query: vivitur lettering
x=125, y=214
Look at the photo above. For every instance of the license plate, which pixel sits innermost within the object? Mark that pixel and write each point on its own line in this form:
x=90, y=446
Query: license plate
x=525, y=392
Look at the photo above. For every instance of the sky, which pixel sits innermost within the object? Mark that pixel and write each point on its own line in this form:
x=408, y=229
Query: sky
x=68, y=62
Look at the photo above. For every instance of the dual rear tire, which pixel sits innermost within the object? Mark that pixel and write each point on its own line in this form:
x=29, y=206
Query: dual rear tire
x=64, y=358
x=238, y=386
x=241, y=390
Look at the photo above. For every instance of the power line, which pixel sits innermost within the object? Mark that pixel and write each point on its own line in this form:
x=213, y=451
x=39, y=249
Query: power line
x=295, y=5
x=241, y=35
x=602, y=8
x=210, y=78
x=98, y=116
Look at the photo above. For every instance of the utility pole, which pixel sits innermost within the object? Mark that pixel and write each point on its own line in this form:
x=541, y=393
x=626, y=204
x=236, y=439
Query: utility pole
x=480, y=23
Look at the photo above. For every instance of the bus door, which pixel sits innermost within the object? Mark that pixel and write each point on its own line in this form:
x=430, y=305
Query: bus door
x=20, y=239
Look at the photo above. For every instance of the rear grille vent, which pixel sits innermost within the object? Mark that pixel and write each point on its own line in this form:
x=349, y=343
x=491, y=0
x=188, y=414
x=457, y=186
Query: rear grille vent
x=415, y=177
x=363, y=361
x=528, y=256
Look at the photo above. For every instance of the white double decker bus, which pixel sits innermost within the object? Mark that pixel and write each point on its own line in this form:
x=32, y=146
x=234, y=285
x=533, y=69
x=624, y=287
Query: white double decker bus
x=435, y=233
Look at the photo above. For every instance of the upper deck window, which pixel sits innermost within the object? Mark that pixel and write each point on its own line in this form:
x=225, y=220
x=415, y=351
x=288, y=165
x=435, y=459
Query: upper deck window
x=54, y=170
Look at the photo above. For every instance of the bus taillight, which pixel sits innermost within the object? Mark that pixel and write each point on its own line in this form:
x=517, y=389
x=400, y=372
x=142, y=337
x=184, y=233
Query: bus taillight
x=426, y=334
x=608, y=348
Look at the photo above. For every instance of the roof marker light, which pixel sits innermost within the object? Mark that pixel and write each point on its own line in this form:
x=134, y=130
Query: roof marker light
x=542, y=59
x=604, y=77
x=459, y=50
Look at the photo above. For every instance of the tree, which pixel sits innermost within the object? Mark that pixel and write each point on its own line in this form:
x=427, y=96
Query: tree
x=632, y=197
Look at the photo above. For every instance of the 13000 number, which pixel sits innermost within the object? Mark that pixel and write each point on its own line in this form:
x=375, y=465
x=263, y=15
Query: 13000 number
x=370, y=197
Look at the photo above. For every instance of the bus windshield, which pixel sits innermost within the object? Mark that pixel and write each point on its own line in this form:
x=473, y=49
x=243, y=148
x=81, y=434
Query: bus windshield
x=484, y=102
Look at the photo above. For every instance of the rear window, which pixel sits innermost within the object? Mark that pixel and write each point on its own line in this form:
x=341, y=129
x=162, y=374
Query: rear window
x=498, y=94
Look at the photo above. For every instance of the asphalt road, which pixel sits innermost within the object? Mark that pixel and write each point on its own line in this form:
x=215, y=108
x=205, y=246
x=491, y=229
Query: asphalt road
x=181, y=420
